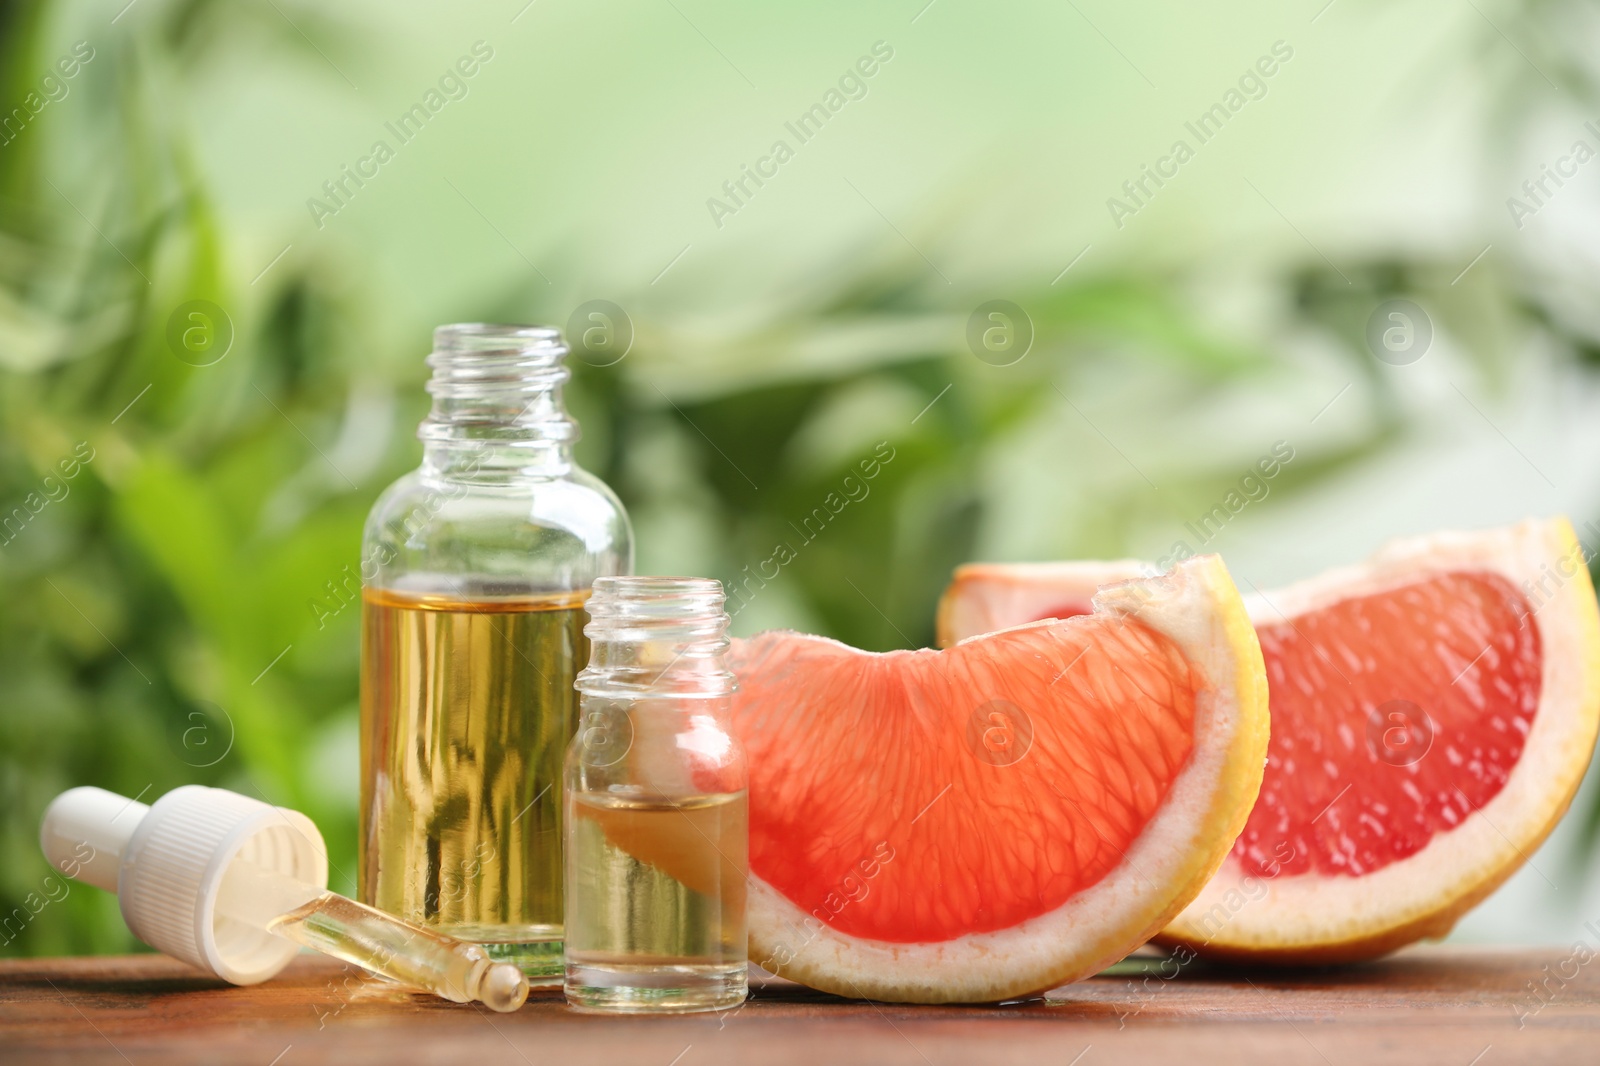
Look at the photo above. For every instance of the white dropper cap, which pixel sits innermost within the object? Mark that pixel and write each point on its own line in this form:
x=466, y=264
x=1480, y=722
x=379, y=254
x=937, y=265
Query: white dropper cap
x=166, y=862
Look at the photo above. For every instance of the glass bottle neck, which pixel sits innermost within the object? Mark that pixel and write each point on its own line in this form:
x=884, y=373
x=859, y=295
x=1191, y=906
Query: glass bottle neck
x=497, y=411
x=495, y=462
x=656, y=637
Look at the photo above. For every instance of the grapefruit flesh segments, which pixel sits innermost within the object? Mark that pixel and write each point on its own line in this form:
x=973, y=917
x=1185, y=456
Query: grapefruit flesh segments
x=1433, y=712
x=1000, y=817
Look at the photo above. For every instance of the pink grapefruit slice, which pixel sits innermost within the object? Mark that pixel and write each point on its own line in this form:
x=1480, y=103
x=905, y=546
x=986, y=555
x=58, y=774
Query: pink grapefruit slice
x=1433, y=711
x=1006, y=815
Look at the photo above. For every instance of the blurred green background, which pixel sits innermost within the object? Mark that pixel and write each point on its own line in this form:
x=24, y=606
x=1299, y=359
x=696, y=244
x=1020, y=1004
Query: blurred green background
x=173, y=611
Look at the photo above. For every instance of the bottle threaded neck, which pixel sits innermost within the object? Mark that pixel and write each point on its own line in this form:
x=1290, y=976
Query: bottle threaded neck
x=657, y=636
x=498, y=383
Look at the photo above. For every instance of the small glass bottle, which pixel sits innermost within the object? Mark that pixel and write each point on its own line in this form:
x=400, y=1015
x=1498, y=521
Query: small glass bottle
x=475, y=569
x=657, y=813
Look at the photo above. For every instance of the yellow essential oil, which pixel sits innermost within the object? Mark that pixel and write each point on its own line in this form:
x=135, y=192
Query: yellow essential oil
x=663, y=887
x=467, y=707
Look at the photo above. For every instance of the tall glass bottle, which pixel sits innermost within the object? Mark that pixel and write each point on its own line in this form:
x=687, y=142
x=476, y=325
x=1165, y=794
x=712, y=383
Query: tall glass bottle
x=657, y=817
x=475, y=571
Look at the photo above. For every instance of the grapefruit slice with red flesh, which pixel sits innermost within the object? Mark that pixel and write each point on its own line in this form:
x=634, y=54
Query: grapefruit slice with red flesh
x=1006, y=815
x=1433, y=711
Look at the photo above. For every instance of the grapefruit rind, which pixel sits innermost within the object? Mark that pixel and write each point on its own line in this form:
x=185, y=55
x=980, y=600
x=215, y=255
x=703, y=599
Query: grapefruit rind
x=1197, y=607
x=1304, y=919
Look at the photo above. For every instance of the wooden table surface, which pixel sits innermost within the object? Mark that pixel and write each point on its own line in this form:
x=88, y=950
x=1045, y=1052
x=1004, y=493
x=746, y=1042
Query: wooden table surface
x=1458, y=1006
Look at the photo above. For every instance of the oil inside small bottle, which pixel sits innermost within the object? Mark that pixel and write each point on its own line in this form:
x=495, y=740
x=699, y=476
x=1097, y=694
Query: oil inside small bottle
x=657, y=901
x=467, y=709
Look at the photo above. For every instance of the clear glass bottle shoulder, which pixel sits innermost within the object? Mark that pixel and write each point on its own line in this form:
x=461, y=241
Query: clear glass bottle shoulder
x=531, y=534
